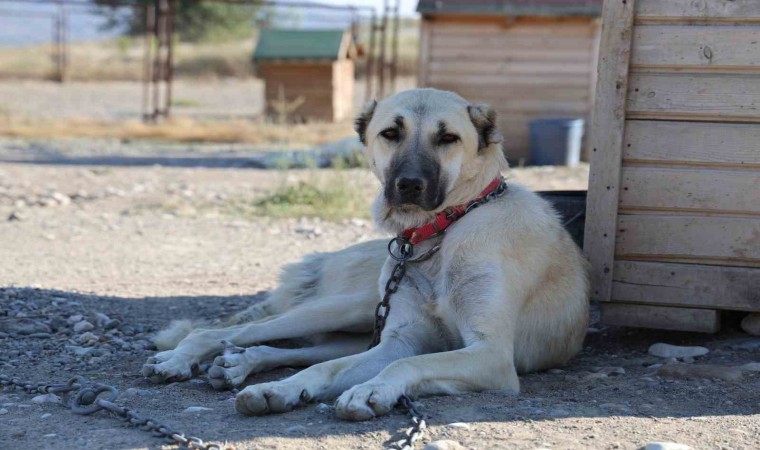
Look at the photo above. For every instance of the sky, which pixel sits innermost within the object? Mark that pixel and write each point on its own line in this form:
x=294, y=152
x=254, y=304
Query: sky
x=36, y=28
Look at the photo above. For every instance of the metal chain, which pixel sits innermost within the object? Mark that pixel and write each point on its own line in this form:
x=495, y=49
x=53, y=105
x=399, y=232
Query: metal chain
x=83, y=398
x=417, y=430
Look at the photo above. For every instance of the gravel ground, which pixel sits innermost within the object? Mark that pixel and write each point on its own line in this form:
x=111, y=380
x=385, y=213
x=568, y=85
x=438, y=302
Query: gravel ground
x=96, y=258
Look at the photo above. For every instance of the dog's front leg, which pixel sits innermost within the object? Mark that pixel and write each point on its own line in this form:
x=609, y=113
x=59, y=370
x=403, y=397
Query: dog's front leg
x=324, y=316
x=486, y=310
x=407, y=333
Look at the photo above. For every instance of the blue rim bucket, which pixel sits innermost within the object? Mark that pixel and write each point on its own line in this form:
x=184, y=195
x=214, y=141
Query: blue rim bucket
x=556, y=142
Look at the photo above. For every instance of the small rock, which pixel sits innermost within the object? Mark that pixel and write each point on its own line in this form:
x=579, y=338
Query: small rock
x=39, y=335
x=751, y=324
x=445, y=444
x=49, y=435
x=134, y=392
x=18, y=434
x=751, y=367
x=16, y=216
x=46, y=415
x=707, y=371
x=674, y=351
x=323, y=408
x=88, y=338
x=23, y=326
x=296, y=429
x=458, y=425
x=81, y=327
x=46, y=398
x=195, y=409
x=556, y=371
x=609, y=371
x=3, y=411
x=749, y=345
x=61, y=198
x=666, y=446
x=75, y=318
x=594, y=377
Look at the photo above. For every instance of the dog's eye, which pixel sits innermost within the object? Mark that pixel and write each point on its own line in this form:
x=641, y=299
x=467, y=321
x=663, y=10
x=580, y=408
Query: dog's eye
x=449, y=138
x=391, y=134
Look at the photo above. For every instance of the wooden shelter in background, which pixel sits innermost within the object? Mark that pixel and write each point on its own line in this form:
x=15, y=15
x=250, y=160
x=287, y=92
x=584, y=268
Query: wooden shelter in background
x=528, y=59
x=673, y=214
x=311, y=70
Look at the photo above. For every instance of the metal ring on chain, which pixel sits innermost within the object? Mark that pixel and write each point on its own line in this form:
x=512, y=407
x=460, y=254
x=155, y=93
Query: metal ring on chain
x=86, y=400
x=404, y=247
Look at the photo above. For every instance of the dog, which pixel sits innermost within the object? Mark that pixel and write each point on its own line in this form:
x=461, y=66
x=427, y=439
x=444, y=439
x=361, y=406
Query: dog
x=502, y=291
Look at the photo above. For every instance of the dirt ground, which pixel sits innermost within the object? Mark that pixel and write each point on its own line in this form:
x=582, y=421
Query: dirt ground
x=144, y=244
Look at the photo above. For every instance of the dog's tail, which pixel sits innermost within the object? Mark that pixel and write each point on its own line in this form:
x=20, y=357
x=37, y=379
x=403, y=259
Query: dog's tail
x=168, y=338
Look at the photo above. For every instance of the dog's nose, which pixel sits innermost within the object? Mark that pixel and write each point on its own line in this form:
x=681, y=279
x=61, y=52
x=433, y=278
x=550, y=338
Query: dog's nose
x=410, y=188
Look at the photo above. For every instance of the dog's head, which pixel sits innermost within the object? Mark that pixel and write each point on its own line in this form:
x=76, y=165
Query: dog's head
x=430, y=149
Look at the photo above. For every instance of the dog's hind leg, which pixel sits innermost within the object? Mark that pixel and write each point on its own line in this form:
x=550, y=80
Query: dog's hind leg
x=232, y=368
x=336, y=313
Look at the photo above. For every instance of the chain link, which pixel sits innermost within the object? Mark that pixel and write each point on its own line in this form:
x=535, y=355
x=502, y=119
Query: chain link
x=84, y=398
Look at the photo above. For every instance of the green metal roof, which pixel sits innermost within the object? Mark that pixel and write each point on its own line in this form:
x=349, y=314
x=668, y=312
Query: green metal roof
x=298, y=44
x=552, y=8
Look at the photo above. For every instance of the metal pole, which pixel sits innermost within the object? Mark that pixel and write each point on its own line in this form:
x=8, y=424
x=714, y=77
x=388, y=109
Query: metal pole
x=169, y=36
x=381, y=66
x=150, y=23
x=394, y=46
x=370, y=57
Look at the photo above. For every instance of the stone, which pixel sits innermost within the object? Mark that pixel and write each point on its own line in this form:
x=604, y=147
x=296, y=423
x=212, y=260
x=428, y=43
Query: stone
x=323, y=408
x=458, y=425
x=81, y=327
x=296, y=429
x=666, y=446
x=87, y=338
x=750, y=345
x=75, y=318
x=445, y=444
x=46, y=398
x=46, y=415
x=751, y=324
x=3, y=411
x=705, y=371
x=675, y=351
x=23, y=326
x=195, y=409
x=751, y=367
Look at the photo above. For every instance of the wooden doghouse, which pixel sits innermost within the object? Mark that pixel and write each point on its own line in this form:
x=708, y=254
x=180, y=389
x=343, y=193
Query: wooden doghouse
x=308, y=71
x=528, y=59
x=673, y=214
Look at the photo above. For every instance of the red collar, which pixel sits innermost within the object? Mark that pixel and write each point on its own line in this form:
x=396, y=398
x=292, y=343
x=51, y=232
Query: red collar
x=451, y=214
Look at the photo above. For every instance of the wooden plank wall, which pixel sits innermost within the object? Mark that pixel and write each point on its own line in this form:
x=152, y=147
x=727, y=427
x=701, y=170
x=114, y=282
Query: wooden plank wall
x=525, y=68
x=687, y=228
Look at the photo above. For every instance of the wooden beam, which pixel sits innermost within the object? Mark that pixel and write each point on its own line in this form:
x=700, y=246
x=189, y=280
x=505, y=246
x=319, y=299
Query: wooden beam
x=606, y=139
x=661, y=317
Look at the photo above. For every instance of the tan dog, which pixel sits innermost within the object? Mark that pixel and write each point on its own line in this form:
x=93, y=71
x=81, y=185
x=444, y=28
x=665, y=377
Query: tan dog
x=503, y=291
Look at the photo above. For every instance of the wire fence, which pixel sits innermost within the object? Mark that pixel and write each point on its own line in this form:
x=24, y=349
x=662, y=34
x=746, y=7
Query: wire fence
x=150, y=59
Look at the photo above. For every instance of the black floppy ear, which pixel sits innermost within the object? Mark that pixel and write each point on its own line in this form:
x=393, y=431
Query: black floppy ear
x=360, y=125
x=484, y=119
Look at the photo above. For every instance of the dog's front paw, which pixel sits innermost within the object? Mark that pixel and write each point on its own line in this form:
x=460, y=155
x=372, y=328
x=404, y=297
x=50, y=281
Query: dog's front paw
x=368, y=400
x=167, y=367
x=266, y=398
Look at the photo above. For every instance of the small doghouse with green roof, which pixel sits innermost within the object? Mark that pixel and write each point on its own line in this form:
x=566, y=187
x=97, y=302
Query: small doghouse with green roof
x=310, y=73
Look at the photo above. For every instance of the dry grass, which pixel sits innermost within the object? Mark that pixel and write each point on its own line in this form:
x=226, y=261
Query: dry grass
x=179, y=130
x=122, y=58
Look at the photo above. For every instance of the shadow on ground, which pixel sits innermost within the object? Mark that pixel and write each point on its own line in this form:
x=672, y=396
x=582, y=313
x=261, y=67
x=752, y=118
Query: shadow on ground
x=610, y=386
